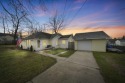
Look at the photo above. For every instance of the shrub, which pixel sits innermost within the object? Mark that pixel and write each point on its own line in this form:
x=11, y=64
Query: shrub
x=21, y=46
x=31, y=48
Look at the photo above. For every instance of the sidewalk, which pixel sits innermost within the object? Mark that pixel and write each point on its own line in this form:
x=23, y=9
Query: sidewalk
x=81, y=67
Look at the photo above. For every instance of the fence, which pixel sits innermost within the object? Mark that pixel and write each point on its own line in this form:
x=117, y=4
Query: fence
x=71, y=45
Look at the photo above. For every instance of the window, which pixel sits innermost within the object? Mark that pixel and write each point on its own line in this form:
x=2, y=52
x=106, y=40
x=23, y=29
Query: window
x=63, y=41
x=26, y=42
x=44, y=43
x=29, y=42
x=38, y=43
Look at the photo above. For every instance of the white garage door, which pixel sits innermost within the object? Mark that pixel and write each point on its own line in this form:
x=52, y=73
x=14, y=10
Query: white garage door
x=85, y=45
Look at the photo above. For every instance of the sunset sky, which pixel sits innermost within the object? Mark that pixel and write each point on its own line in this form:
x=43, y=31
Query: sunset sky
x=85, y=15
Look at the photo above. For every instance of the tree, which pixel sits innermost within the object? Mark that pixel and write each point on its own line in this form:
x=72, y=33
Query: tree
x=56, y=23
x=123, y=37
x=17, y=14
x=3, y=18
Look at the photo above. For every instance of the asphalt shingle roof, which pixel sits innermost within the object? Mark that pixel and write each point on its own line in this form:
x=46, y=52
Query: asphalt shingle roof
x=91, y=35
x=65, y=36
x=39, y=35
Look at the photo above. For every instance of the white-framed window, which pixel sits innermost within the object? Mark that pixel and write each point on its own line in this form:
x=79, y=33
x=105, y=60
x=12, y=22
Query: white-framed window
x=44, y=43
x=63, y=41
x=29, y=42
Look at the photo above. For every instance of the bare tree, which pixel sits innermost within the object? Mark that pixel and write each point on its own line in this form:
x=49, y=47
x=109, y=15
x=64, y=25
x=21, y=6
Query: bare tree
x=56, y=23
x=17, y=14
x=3, y=18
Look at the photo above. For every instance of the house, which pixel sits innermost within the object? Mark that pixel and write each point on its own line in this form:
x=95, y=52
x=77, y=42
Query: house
x=91, y=41
x=41, y=40
x=65, y=40
x=6, y=38
x=120, y=42
x=116, y=42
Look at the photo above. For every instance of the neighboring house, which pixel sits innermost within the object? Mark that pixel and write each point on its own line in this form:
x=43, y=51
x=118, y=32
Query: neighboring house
x=40, y=40
x=117, y=42
x=91, y=41
x=120, y=42
x=6, y=38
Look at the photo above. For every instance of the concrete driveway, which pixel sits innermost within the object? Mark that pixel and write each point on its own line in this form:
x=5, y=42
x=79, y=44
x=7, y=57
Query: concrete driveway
x=81, y=67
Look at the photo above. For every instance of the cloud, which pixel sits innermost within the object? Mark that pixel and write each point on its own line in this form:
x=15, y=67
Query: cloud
x=75, y=8
x=109, y=6
x=79, y=1
x=114, y=31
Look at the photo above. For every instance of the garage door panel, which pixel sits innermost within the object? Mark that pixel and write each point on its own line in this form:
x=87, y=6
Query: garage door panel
x=85, y=45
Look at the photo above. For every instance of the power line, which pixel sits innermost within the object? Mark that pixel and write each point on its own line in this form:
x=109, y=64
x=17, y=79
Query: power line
x=64, y=7
x=78, y=11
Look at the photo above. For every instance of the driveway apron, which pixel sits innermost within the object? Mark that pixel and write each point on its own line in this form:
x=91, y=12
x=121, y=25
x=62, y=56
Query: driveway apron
x=81, y=67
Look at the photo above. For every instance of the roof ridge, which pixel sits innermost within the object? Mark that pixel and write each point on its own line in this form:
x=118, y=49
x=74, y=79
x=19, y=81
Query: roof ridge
x=90, y=32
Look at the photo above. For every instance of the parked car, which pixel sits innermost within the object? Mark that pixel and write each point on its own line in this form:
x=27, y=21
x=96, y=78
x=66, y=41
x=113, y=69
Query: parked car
x=114, y=50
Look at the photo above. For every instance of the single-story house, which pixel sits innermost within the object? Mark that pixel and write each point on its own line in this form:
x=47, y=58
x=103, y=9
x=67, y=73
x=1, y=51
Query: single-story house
x=120, y=42
x=91, y=41
x=6, y=38
x=41, y=40
x=116, y=42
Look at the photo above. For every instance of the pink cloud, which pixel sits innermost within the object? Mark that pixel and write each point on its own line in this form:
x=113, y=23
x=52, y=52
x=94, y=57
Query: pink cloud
x=114, y=31
x=109, y=6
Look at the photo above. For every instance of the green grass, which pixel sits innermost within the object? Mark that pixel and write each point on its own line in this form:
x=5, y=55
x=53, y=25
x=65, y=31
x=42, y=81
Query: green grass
x=67, y=54
x=18, y=66
x=54, y=51
x=112, y=66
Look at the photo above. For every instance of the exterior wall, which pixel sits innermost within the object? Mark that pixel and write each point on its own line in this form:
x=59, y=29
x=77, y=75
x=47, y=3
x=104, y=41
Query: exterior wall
x=117, y=42
x=99, y=45
x=55, y=42
x=70, y=39
x=43, y=44
x=62, y=45
x=23, y=43
x=76, y=44
x=122, y=43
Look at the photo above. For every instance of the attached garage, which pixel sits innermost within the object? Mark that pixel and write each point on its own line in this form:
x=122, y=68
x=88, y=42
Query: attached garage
x=92, y=41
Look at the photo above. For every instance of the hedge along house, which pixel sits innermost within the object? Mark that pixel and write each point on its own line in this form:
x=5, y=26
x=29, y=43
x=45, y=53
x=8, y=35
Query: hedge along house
x=40, y=40
x=91, y=41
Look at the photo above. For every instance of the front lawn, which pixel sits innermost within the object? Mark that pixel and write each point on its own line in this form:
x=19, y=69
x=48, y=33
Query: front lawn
x=112, y=66
x=67, y=54
x=18, y=66
x=54, y=51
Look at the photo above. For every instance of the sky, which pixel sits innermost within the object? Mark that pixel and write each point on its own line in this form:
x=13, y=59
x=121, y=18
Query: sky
x=85, y=15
